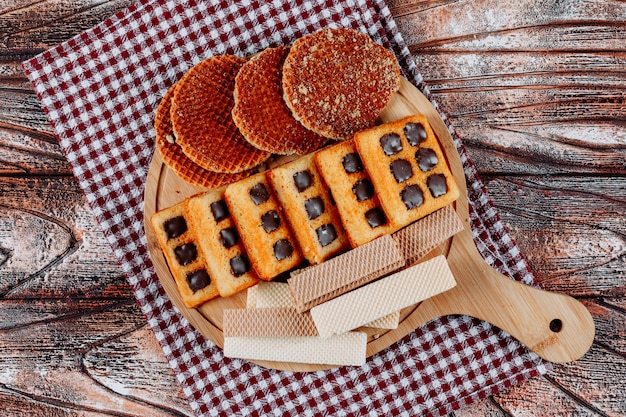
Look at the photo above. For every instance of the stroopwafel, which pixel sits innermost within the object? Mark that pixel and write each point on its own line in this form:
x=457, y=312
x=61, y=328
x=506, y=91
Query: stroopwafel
x=260, y=111
x=336, y=81
x=174, y=157
x=201, y=117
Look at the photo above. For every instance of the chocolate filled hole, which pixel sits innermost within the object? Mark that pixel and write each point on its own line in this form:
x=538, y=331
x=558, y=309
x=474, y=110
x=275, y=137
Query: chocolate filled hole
x=363, y=189
x=175, y=227
x=198, y=280
x=302, y=180
x=314, y=207
x=401, y=170
x=391, y=144
x=352, y=163
x=259, y=194
x=556, y=325
x=186, y=254
x=219, y=209
x=270, y=221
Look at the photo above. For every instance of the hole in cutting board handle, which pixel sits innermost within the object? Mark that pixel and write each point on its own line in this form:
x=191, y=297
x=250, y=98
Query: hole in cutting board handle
x=556, y=325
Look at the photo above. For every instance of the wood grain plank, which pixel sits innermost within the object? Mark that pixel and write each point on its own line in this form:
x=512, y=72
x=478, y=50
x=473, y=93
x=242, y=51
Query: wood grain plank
x=597, y=379
x=46, y=23
x=538, y=397
x=50, y=243
x=570, y=228
x=133, y=365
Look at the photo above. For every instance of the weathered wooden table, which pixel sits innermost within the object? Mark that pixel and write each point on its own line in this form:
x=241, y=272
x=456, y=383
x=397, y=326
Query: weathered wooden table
x=537, y=90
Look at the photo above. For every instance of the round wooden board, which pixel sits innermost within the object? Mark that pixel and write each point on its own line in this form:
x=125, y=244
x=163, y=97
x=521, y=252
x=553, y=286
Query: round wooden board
x=164, y=188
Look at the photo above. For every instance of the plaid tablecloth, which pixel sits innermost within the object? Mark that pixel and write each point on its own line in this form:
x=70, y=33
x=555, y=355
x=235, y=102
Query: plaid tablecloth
x=100, y=91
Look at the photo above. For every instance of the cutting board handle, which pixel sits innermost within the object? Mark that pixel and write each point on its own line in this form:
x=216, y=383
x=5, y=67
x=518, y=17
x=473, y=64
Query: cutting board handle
x=555, y=326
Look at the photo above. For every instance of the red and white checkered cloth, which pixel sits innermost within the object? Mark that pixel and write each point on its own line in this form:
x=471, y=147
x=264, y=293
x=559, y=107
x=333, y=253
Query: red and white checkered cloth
x=100, y=91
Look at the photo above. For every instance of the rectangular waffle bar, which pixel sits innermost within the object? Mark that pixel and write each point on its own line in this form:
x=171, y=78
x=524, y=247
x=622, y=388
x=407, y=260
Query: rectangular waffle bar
x=407, y=167
x=184, y=255
x=263, y=229
x=418, y=239
x=309, y=209
x=353, y=191
x=389, y=294
x=267, y=322
x=341, y=350
x=316, y=284
x=227, y=260
x=271, y=295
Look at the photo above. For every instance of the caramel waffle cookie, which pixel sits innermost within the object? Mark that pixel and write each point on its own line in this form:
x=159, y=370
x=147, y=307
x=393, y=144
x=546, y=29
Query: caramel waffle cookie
x=173, y=155
x=201, y=117
x=260, y=111
x=264, y=231
x=184, y=256
x=309, y=209
x=407, y=167
x=353, y=191
x=227, y=260
x=337, y=81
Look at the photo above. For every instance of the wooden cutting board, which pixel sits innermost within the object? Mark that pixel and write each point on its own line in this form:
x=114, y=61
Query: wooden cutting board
x=556, y=327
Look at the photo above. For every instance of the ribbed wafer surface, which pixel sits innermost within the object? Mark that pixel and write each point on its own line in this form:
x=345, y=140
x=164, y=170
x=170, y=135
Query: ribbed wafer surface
x=316, y=284
x=173, y=155
x=345, y=349
x=382, y=297
x=267, y=322
x=421, y=237
x=336, y=81
x=201, y=117
x=260, y=111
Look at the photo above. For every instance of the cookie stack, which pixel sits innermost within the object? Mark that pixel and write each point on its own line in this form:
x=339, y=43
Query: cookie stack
x=228, y=115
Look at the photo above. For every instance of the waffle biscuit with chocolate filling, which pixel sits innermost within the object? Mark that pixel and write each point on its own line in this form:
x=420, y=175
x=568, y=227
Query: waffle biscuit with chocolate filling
x=184, y=256
x=353, y=191
x=173, y=155
x=264, y=231
x=337, y=81
x=201, y=117
x=226, y=257
x=407, y=167
x=309, y=208
x=260, y=111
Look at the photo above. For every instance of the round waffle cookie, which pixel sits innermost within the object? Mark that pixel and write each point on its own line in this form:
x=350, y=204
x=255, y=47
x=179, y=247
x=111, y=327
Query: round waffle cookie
x=336, y=81
x=201, y=117
x=260, y=111
x=174, y=157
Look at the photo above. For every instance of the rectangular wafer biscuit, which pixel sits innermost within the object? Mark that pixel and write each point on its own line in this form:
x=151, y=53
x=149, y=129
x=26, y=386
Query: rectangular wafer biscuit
x=341, y=350
x=269, y=295
x=184, y=256
x=407, y=167
x=227, y=260
x=418, y=239
x=309, y=209
x=384, y=296
x=316, y=284
x=267, y=322
x=262, y=227
x=353, y=191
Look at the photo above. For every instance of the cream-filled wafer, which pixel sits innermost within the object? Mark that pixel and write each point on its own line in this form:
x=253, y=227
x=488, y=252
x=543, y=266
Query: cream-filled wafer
x=342, y=350
x=416, y=240
x=267, y=322
x=407, y=167
x=227, y=260
x=269, y=295
x=316, y=284
x=262, y=227
x=353, y=191
x=309, y=209
x=382, y=297
x=184, y=255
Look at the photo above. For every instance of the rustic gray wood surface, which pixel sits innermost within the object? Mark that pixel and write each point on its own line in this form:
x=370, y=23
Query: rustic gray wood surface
x=536, y=89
